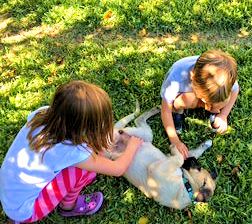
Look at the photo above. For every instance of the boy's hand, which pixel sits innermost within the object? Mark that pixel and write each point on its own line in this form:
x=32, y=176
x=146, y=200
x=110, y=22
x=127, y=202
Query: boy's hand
x=182, y=148
x=220, y=123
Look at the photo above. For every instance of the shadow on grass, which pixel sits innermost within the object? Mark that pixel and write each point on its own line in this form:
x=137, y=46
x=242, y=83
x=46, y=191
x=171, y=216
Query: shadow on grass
x=134, y=15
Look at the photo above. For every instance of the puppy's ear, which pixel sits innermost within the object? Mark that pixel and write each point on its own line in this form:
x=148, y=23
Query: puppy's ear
x=203, y=195
x=214, y=174
x=191, y=162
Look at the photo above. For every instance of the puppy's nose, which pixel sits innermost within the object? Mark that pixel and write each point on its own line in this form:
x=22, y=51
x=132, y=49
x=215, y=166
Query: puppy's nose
x=121, y=132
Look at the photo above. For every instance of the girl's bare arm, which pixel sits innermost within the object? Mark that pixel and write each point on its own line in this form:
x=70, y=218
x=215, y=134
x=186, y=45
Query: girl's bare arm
x=102, y=165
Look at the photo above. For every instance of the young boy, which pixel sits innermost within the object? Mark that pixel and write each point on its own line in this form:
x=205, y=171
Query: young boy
x=208, y=81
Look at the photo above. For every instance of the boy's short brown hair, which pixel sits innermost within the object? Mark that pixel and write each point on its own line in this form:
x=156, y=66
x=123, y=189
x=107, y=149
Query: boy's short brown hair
x=214, y=74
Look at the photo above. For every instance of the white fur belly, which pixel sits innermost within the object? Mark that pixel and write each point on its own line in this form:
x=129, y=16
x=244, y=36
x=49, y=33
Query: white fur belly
x=137, y=173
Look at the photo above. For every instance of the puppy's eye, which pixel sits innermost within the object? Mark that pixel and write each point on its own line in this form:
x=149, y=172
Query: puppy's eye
x=204, y=183
x=120, y=132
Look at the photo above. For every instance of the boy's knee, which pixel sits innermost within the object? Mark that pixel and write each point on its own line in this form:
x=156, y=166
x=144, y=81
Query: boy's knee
x=179, y=105
x=185, y=101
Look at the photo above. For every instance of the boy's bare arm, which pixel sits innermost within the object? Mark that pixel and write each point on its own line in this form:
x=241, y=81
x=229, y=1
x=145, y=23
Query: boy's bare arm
x=226, y=110
x=166, y=116
x=221, y=119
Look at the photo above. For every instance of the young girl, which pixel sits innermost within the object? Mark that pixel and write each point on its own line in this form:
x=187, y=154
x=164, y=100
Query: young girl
x=57, y=153
x=208, y=81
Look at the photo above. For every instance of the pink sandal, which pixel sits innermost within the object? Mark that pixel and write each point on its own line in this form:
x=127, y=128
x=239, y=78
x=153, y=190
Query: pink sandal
x=86, y=204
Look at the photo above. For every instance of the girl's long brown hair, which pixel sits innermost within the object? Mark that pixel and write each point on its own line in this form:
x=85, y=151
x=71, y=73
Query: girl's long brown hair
x=80, y=112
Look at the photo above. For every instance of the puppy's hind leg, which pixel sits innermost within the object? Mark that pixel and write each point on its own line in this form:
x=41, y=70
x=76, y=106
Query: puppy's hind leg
x=141, y=122
x=124, y=121
x=200, y=149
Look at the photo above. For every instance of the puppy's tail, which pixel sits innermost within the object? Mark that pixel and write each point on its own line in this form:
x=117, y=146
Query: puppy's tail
x=124, y=121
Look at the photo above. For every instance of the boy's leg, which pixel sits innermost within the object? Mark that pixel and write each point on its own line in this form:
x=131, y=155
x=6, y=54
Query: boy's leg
x=178, y=119
x=185, y=101
x=63, y=189
x=179, y=105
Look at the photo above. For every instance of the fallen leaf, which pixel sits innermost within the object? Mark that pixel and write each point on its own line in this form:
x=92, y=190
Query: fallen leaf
x=126, y=81
x=194, y=38
x=219, y=158
x=142, y=33
x=243, y=33
x=143, y=220
x=141, y=7
x=50, y=80
x=59, y=60
x=108, y=14
x=142, y=83
x=235, y=170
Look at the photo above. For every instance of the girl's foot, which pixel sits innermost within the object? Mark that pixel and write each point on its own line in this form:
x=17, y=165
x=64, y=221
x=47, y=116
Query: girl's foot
x=86, y=204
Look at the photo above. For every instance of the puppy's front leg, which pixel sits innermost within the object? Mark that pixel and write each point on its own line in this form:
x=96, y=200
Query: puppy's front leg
x=200, y=149
x=178, y=158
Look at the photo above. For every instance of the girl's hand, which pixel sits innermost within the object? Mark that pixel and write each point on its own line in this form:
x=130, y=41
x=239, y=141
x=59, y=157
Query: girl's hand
x=182, y=148
x=134, y=142
x=118, y=167
x=220, y=123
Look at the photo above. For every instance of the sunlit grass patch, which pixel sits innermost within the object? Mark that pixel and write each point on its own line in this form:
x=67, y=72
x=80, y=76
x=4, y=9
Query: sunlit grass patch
x=111, y=20
x=35, y=32
x=21, y=90
x=26, y=100
x=5, y=20
x=67, y=15
x=203, y=208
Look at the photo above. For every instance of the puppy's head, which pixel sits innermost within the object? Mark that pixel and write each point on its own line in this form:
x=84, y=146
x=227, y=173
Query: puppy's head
x=203, y=182
x=120, y=141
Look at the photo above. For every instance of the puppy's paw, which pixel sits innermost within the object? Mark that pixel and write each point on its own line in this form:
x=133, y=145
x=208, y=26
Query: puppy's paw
x=174, y=149
x=207, y=144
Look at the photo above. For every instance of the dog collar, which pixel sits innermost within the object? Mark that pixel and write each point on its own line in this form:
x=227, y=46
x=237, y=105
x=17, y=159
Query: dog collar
x=188, y=188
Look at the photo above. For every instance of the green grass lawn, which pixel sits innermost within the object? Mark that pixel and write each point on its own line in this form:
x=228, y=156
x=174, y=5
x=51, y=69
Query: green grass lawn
x=126, y=47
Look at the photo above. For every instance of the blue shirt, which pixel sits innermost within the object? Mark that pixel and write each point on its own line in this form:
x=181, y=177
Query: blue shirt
x=24, y=174
x=177, y=79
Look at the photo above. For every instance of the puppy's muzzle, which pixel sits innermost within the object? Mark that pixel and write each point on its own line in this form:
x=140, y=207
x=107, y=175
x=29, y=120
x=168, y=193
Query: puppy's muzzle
x=203, y=195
